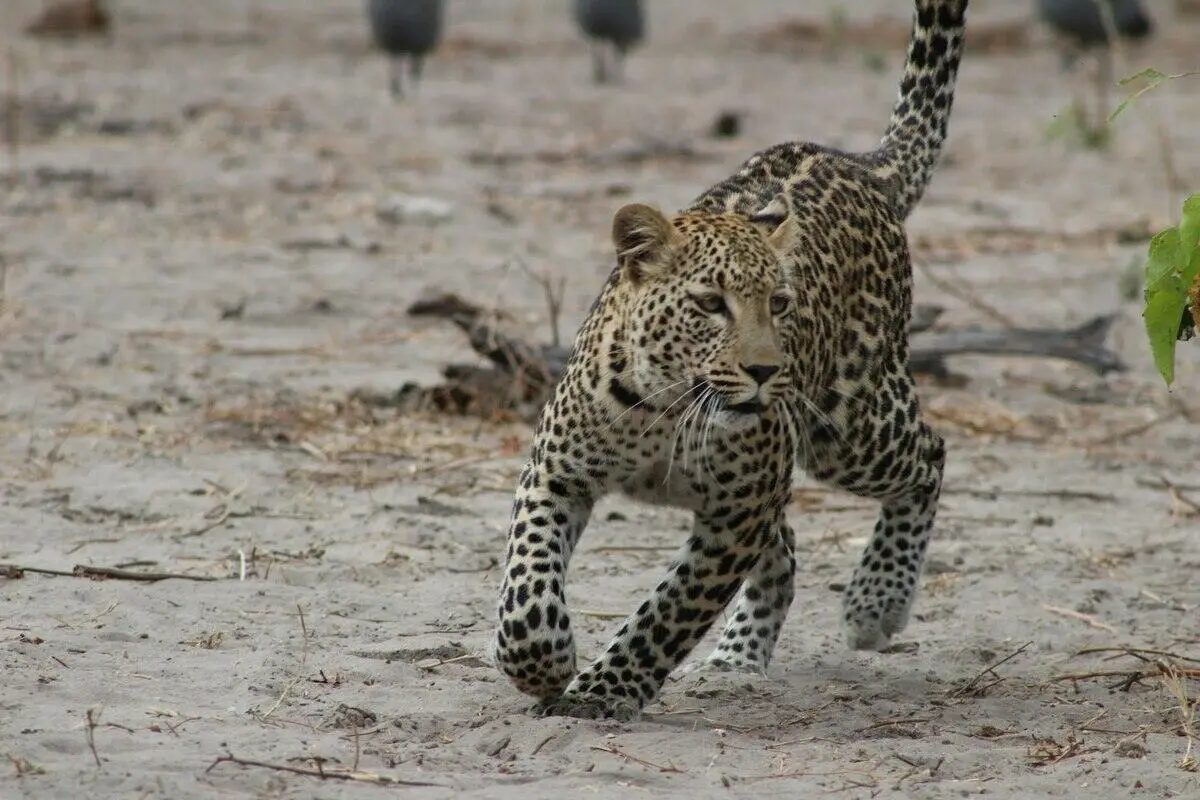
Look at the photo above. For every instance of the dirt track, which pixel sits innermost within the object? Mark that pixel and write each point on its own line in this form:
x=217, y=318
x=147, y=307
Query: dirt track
x=199, y=275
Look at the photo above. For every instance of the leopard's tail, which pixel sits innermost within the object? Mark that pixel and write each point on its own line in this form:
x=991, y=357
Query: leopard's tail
x=909, y=151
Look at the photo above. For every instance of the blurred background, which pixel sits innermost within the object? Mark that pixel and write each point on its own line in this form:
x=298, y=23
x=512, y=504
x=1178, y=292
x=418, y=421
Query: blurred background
x=269, y=168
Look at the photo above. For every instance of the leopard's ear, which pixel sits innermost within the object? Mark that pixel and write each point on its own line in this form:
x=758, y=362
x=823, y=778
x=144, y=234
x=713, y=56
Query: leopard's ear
x=777, y=223
x=645, y=240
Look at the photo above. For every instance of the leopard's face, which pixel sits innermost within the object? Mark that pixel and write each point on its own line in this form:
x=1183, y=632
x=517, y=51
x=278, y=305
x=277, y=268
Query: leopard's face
x=708, y=302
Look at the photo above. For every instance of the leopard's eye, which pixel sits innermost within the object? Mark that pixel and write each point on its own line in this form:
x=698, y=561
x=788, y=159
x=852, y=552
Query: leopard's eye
x=780, y=303
x=710, y=303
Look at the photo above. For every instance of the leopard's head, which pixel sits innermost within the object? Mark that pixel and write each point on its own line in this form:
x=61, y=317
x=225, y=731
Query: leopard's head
x=707, y=302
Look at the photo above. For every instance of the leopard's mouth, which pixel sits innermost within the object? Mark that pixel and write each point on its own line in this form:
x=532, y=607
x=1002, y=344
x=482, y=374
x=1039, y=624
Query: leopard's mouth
x=755, y=406
x=750, y=407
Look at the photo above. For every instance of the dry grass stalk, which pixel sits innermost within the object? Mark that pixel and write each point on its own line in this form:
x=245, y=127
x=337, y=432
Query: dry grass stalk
x=287, y=689
x=12, y=117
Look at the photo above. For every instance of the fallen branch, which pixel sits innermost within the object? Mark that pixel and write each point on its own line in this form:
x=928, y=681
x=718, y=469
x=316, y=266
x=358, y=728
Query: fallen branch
x=101, y=573
x=522, y=373
x=1083, y=344
x=323, y=773
x=972, y=686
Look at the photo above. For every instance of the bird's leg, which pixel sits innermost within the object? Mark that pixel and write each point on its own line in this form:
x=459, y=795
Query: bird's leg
x=394, y=81
x=619, y=65
x=1069, y=62
x=415, y=70
x=1103, y=79
x=599, y=65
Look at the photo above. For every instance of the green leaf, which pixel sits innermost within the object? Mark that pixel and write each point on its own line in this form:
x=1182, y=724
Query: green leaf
x=1189, y=274
x=1173, y=255
x=1162, y=314
x=1189, y=239
x=1162, y=264
x=1149, y=73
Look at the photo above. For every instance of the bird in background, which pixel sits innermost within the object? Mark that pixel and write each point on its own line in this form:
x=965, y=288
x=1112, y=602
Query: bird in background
x=614, y=27
x=1080, y=23
x=72, y=18
x=405, y=29
x=1081, y=26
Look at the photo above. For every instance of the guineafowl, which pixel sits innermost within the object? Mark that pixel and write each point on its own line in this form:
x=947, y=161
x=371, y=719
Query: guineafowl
x=72, y=18
x=619, y=23
x=405, y=28
x=1081, y=26
x=1081, y=22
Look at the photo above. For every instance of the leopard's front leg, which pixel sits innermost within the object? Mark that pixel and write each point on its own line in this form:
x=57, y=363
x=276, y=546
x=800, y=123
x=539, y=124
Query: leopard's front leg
x=725, y=545
x=533, y=644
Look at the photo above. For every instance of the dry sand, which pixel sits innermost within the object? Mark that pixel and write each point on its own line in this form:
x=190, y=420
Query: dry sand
x=198, y=277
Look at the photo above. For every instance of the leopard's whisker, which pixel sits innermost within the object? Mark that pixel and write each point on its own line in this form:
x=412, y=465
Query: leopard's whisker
x=690, y=424
x=823, y=418
x=668, y=408
x=867, y=403
x=705, y=453
x=646, y=398
x=681, y=424
x=799, y=433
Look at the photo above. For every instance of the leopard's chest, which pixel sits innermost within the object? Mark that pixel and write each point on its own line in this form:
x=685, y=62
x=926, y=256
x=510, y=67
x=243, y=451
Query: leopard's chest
x=666, y=465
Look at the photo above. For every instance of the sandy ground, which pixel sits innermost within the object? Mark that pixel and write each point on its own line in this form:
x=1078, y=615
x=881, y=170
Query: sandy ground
x=203, y=265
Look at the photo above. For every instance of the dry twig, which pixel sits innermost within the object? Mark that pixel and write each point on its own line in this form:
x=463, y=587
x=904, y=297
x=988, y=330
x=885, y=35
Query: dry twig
x=1082, y=617
x=595, y=614
x=102, y=573
x=615, y=751
x=1142, y=653
x=888, y=723
x=553, y=292
x=323, y=772
x=1059, y=494
x=90, y=735
x=1158, y=664
x=972, y=687
x=1046, y=752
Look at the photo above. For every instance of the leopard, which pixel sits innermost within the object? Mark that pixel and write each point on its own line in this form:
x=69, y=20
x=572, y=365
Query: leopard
x=759, y=331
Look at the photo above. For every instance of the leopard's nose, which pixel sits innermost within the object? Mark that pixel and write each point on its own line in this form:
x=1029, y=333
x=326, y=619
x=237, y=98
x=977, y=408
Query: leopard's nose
x=760, y=372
